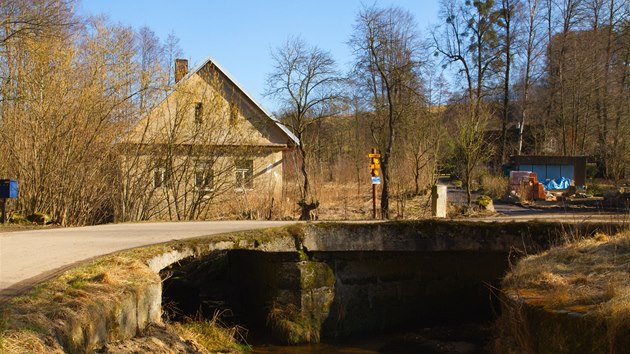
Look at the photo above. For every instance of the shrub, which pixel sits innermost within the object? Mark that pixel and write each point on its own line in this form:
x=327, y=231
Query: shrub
x=591, y=171
x=494, y=186
x=17, y=218
x=39, y=218
x=484, y=201
x=290, y=326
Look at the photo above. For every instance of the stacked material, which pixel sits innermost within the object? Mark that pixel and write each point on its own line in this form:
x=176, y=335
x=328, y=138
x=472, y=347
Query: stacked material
x=525, y=184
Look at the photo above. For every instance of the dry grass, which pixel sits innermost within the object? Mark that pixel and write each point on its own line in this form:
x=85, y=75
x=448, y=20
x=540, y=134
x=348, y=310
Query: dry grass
x=32, y=319
x=212, y=335
x=289, y=324
x=587, y=276
x=592, y=275
x=337, y=202
x=346, y=202
x=20, y=227
x=494, y=186
x=25, y=342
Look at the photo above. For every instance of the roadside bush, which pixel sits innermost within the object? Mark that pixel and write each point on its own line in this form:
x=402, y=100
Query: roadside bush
x=494, y=186
x=39, y=218
x=602, y=189
x=591, y=171
x=17, y=218
x=484, y=201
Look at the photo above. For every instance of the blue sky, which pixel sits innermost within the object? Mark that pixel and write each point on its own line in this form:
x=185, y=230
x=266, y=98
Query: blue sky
x=240, y=34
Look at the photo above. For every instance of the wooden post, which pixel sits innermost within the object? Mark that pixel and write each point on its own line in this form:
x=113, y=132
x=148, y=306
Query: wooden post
x=374, y=201
x=373, y=194
x=4, y=211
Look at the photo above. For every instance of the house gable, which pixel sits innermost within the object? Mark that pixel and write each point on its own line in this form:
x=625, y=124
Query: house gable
x=208, y=102
x=250, y=117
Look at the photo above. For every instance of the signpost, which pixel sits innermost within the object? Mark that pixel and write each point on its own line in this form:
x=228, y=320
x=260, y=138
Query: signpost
x=375, y=165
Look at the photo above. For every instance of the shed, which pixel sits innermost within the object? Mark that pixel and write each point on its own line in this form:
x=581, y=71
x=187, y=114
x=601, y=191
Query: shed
x=553, y=167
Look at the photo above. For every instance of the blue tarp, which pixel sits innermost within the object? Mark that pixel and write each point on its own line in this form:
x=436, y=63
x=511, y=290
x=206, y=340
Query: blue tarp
x=558, y=183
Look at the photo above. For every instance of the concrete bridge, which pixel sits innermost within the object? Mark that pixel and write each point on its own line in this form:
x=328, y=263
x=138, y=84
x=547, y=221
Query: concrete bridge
x=320, y=279
x=29, y=257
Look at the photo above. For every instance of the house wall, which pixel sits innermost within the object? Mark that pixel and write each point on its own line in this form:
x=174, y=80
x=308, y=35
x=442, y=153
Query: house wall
x=229, y=127
x=179, y=198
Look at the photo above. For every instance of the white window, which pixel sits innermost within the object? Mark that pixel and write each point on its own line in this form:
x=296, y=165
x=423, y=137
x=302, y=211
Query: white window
x=245, y=174
x=161, y=175
x=204, y=176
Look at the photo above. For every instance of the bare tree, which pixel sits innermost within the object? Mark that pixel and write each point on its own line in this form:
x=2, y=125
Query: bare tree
x=506, y=18
x=604, y=19
x=561, y=98
x=532, y=23
x=46, y=18
x=134, y=180
x=306, y=84
x=424, y=133
x=468, y=38
x=70, y=93
x=422, y=143
x=613, y=110
x=387, y=52
x=150, y=52
x=619, y=161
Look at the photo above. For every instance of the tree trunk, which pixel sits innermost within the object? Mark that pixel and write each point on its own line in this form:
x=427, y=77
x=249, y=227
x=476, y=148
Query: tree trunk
x=385, y=161
x=417, y=177
x=306, y=206
x=385, y=190
x=506, y=82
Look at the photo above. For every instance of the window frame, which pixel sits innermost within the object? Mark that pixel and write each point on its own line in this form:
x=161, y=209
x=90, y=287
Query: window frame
x=161, y=175
x=206, y=168
x=244, y=176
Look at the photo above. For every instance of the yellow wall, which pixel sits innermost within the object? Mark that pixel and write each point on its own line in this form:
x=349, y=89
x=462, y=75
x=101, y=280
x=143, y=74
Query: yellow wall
x=171, y=132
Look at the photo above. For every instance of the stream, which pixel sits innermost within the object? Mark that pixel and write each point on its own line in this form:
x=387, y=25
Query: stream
x=471, y=338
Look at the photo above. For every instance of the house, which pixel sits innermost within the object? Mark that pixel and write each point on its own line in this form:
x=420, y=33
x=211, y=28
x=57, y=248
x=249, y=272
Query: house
x=207, y=147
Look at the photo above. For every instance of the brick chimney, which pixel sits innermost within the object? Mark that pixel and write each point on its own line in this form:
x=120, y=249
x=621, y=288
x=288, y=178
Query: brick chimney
x=181, y=69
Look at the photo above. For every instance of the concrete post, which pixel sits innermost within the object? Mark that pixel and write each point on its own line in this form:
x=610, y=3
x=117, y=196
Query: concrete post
x=438, y=201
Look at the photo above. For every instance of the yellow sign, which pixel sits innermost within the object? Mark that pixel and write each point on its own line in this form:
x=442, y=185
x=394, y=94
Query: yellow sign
x=375, y=164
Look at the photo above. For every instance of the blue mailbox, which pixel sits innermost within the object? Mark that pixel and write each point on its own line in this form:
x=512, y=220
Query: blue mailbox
x=8, y=189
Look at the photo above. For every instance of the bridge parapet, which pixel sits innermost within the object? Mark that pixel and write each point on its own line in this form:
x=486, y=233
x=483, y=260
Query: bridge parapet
x=451, y=236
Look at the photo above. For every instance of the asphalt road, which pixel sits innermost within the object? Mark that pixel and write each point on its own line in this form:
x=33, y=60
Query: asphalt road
x=507, y=212
x=28, y=257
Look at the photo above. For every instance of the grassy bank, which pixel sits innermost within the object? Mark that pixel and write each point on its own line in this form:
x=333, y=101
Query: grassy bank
x=57, y=315
x=583, y=286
